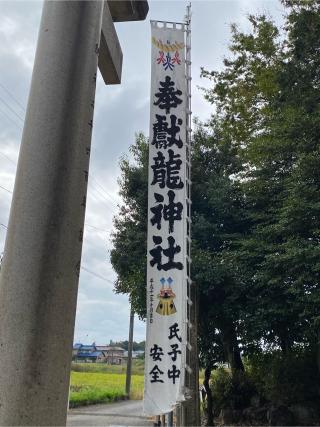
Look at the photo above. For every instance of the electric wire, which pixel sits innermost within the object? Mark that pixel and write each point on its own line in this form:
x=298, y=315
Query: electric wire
x=11, y=109
x=97, y=228
x=104, y=190
x=102, y=195
x=11, y=119
x=3, y=188
x=99, y=276
x=100, y=190
x=8, y=158
x=96, y=185
x=13, y=97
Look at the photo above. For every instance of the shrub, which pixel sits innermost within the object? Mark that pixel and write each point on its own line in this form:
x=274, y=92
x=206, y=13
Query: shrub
x=273, y=378
x=231, y=391
x=286, y=378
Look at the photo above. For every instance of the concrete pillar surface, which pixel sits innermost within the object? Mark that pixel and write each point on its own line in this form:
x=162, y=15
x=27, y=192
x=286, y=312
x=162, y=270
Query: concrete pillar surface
x=40, y=270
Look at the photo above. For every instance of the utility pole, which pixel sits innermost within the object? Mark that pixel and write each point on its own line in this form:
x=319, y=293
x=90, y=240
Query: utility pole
x=41, y=264
x=130, y=348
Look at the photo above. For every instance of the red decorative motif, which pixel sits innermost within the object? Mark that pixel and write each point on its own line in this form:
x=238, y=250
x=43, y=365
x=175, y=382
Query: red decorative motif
x=161, y=59
x=176, y=59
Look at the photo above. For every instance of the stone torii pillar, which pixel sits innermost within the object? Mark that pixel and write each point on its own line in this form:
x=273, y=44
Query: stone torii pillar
x=40, y=270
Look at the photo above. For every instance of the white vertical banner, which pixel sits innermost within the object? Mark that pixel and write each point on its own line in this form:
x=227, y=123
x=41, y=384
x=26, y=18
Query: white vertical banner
x=167, y=269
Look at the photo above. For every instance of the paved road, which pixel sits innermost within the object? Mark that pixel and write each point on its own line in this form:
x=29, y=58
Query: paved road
x=124, y=413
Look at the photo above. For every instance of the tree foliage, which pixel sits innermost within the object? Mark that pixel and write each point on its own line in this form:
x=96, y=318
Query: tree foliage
x=256, y=192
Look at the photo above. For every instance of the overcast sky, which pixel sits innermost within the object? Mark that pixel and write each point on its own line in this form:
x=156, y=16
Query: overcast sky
x=120, y=111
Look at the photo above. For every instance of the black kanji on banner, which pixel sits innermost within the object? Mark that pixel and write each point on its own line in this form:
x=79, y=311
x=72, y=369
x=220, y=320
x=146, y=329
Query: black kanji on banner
x=169, y=252
x=167, y=95
x=175, y=351
x=173, y=332
x=156, y=353
x=171, y=212
x=165, y=136
x=173, y=373
x=155, y=375
x=166, y=173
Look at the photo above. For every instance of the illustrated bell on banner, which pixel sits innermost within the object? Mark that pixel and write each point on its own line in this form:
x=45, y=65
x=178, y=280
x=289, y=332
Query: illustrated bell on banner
x=166, y=305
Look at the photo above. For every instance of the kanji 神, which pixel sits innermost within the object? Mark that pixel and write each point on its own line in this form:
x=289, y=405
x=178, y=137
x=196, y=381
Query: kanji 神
x=173, y=373
x=171, y=212
x=174, y=352
x=165, y=136
x=155, y=374
x=156, y=353
x=166, y=173
x=167, y=95
x=170, y=252
x=173, y=332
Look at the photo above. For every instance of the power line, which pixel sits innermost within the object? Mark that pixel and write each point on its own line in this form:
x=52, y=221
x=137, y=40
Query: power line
x=97, y=275
x=102, y=195
x=88, y=225
x=11, y=109
x=8, y=158
x=24, y=109
x=97, y=184
x=6, y=189
x=93, y=192
x=97, y=228
x=96, y=189
x=104, y=190
x=13, y=97
x=11, y=119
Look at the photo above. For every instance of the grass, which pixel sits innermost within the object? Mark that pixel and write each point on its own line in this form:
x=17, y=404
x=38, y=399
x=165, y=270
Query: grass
x=93, y=383
x=99, y=383
x=137, y=367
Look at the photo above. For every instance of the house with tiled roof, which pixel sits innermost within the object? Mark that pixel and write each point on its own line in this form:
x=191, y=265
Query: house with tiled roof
x=98, y=353
x=115, y=355
x=86, y=353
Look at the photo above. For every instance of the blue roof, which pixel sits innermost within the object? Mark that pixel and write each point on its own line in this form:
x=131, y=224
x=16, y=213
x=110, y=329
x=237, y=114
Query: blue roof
x=77, y=345
x=97, y=353
x=85, y=354
x=87, y=347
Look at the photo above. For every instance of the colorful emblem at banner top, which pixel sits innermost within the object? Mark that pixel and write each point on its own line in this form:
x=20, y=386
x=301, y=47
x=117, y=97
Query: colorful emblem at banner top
x=166, y=296
x=169, y=55
x=168, y=61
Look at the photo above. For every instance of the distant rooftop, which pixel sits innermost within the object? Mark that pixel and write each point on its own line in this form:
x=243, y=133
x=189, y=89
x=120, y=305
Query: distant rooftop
x=79, y=346
x=111, y=347
x=86, y=354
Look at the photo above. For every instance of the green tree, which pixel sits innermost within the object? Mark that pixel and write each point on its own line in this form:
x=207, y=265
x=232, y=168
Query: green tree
x=218, y=222
x=255, y=193
x=128, y=256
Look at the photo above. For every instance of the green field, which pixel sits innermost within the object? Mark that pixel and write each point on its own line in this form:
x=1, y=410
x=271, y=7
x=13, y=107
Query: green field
x=100, y=383
x=137, y=367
